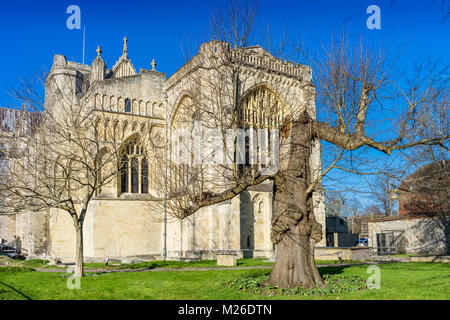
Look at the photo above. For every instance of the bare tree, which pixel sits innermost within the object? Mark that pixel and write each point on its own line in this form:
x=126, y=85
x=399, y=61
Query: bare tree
x=426, y=191
x=334, y=204
x=65, y=161
x=352, y=83
x=383, y=191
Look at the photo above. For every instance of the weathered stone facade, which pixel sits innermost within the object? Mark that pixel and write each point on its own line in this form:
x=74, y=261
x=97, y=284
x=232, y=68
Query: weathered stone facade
x=119, y=222
x=7, y=227
x=411, y=235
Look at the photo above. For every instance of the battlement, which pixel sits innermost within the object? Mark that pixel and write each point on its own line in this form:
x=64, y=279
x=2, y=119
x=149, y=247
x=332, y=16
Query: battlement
x=262, y=59
x=254, y=56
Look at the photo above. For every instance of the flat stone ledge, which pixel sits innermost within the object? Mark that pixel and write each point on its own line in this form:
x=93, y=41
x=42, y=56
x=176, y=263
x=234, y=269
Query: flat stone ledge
x=440, y=259
x=228, y=260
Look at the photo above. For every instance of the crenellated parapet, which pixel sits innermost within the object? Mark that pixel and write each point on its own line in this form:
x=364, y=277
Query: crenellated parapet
x=255, y=56
x=215, y=54
x=259, y=58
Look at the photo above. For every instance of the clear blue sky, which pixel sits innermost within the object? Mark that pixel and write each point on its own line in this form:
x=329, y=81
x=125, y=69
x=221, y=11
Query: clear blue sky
x=33, y=31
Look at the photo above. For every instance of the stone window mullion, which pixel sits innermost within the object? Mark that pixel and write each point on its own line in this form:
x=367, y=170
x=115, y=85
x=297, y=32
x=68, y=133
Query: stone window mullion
x=140, y=175
x=130, y=163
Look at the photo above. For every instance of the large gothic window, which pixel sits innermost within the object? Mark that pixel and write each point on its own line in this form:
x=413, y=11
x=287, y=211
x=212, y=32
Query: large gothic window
x=134, y=168
x=260, y=112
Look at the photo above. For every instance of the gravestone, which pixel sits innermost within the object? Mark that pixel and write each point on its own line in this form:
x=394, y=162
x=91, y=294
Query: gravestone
x=228, y=260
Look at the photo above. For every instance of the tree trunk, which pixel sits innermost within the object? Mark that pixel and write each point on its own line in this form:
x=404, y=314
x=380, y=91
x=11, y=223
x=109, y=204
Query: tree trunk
x=294, y=228
x=294, y=265
x=79, y=271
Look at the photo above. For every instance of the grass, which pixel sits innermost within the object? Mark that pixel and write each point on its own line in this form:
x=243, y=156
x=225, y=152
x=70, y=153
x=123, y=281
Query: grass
x=178, y=264
x=39, y=263
x=181, y=264
x=398, y=281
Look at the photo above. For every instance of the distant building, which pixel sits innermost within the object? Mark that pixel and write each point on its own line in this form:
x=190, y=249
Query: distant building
x=337, y=233
x=336, y=224
x=15, y=122
x=19, y=122
x=425, y=192
x=423, y=226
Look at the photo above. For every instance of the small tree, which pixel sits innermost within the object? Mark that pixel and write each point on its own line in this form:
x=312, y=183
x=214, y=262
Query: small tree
x=64, y=162
x=426, y=192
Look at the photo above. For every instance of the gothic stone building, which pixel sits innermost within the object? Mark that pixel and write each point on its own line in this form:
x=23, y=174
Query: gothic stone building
x=19, y=122
x=120, y=223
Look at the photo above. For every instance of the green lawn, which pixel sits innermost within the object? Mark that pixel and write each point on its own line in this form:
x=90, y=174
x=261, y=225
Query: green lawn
x=178, y=264
x=398, y=281
x=171, y=264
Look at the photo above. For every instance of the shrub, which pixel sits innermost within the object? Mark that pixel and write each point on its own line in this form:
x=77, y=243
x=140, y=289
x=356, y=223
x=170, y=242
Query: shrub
x=335, y=284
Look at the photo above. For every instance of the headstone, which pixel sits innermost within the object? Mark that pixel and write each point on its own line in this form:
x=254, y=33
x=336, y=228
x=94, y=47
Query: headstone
x=228, y=260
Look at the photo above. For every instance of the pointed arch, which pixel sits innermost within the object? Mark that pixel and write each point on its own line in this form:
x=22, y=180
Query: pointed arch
x=113, y=103
x=128, y=106
x=180, y=102
x=263, y=107
x=133, y=174
x=261, y=111
x=120, y=104
x=148, y=109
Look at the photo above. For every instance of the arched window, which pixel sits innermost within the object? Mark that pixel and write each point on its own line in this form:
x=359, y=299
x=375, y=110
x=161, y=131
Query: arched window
x=260, y=111
x=127, y=105
x=134, y=168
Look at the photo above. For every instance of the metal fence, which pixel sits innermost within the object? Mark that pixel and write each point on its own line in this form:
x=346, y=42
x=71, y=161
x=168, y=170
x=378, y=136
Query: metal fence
x=10, y=249
x=388, y=242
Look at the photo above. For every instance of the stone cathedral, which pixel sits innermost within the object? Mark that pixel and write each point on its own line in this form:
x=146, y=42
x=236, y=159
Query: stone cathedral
x=120, y=224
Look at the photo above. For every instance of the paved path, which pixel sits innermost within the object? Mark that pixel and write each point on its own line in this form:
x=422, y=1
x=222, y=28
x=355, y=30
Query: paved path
x=200, y=269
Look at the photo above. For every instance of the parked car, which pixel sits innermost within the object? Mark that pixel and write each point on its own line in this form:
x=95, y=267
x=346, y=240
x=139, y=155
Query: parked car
x=363, y=242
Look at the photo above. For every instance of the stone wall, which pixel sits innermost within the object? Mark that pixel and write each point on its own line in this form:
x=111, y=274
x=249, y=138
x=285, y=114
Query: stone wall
x=325, y=253
x=7, y=227
x=113, y=229
x=423, y=236
x=240, y=226
x=122, y=225
x=32, y=232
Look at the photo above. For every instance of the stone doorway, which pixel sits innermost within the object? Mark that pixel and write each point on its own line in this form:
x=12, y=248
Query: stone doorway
x=247, y=225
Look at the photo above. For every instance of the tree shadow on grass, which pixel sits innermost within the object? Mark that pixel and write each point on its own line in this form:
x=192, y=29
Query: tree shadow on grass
x=332, y=270
x=15, y=290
